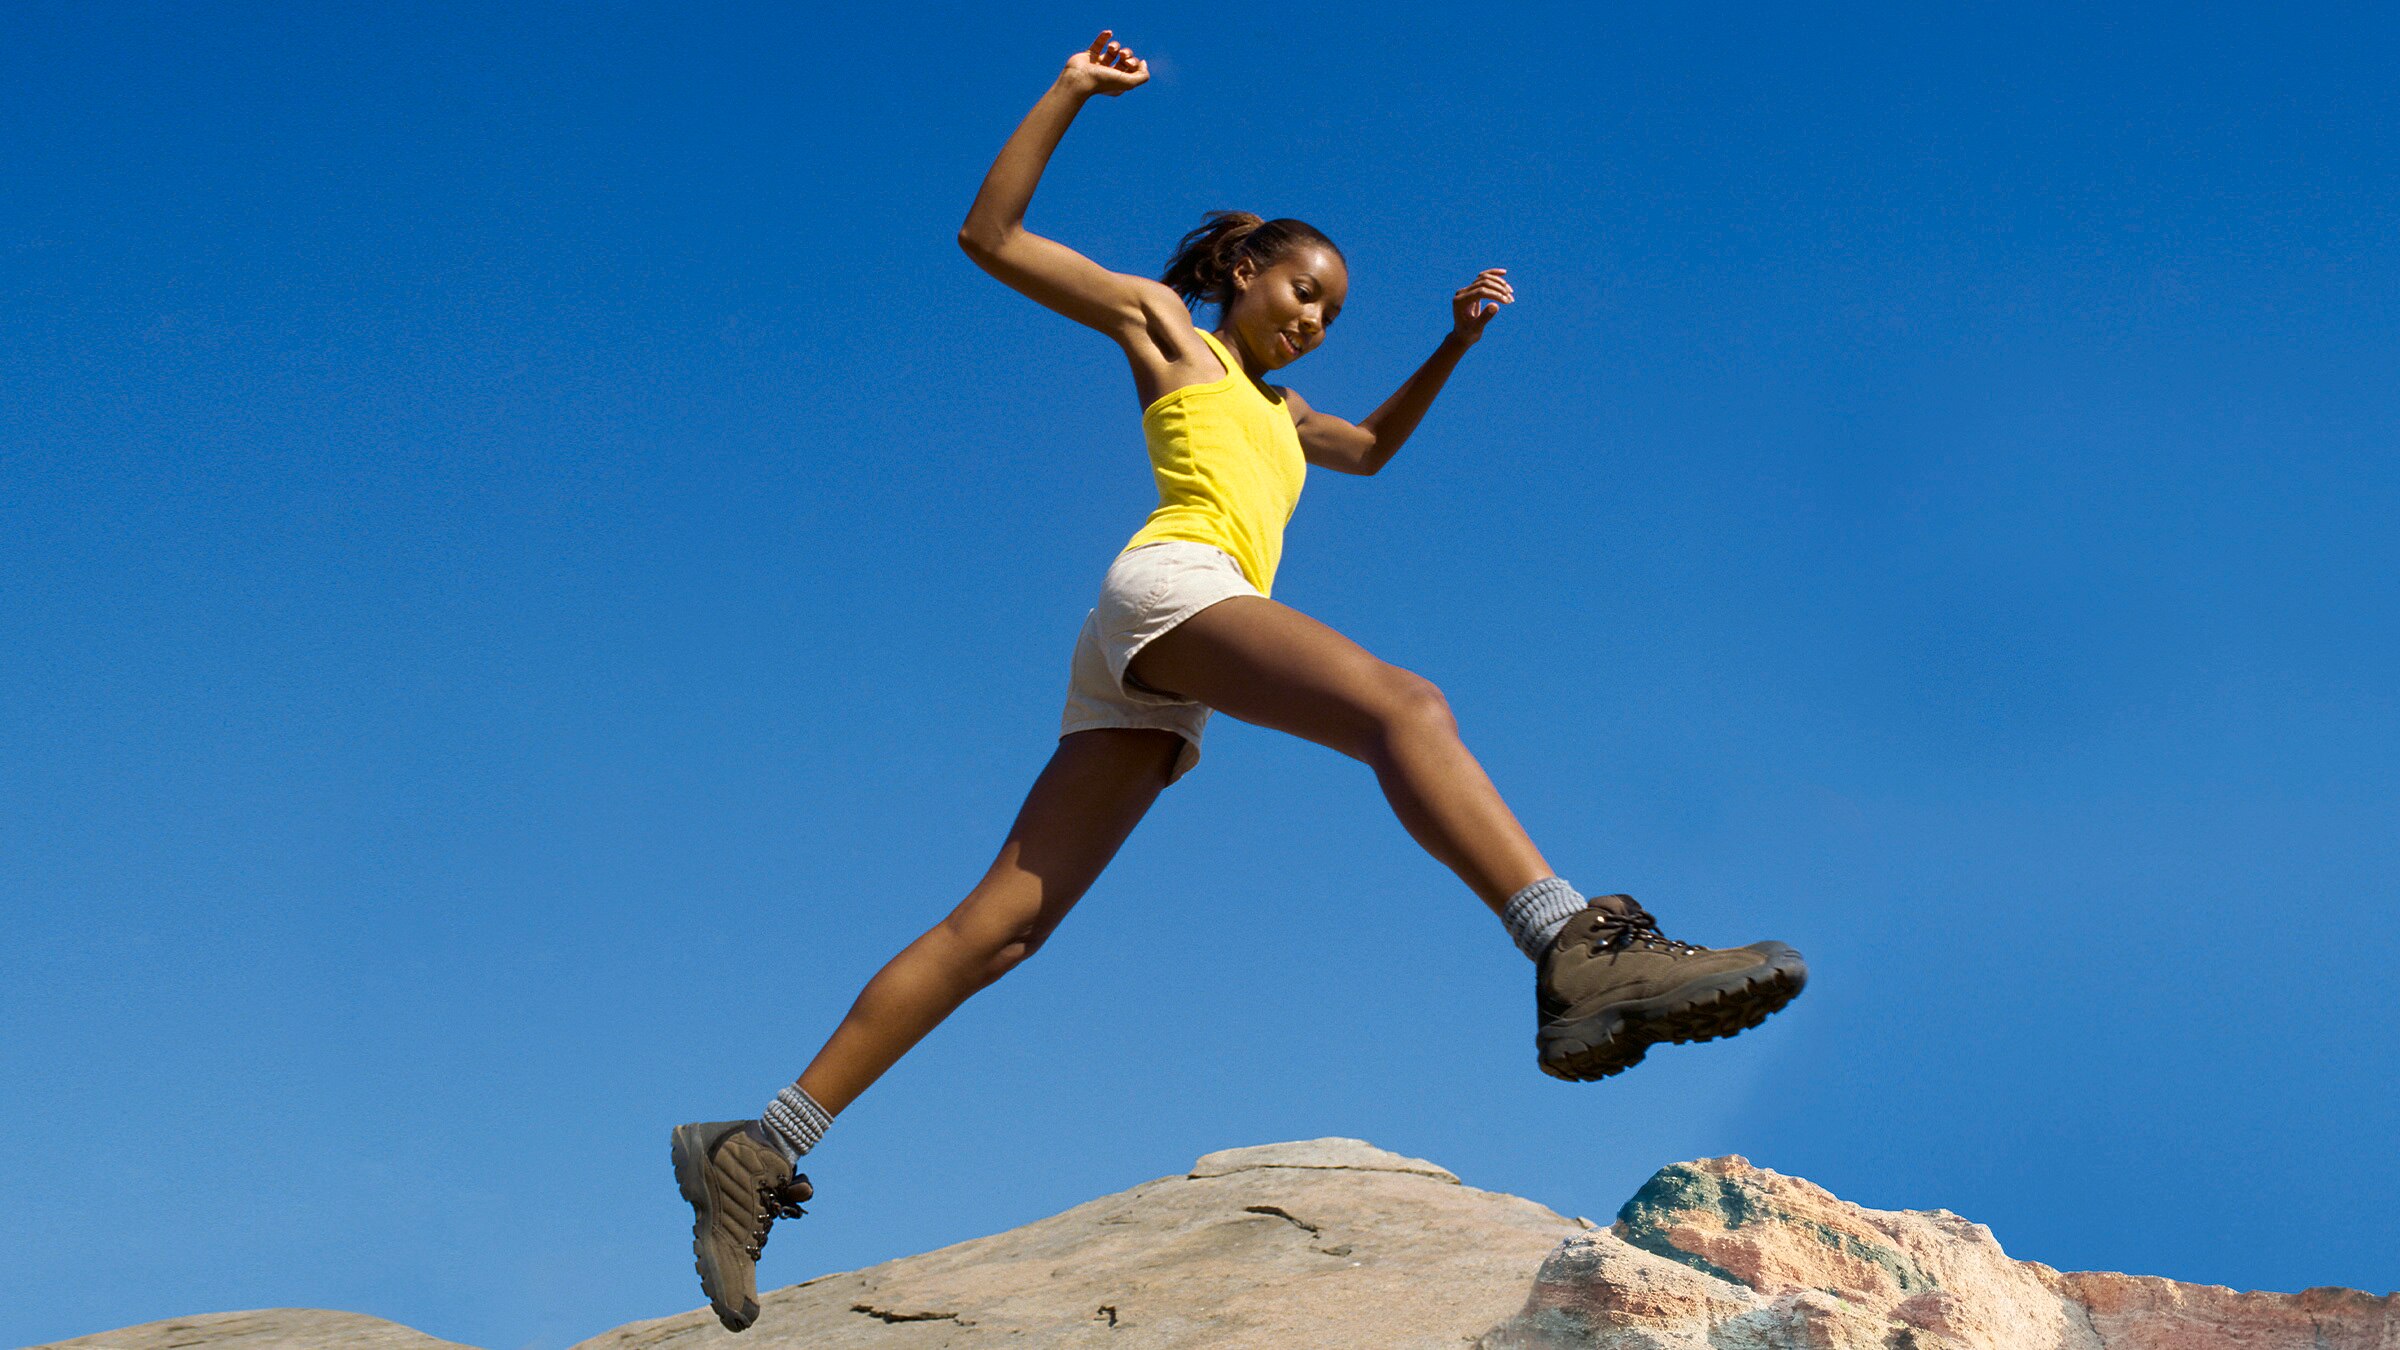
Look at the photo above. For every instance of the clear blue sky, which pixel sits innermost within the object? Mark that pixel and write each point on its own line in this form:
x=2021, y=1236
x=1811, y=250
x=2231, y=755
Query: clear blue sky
x=532, y=564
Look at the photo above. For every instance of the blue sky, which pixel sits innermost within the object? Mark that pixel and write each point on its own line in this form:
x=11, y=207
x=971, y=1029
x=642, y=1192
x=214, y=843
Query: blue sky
x=534, y=565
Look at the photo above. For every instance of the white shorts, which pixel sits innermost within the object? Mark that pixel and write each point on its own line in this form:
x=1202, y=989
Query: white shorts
x=1147, y=591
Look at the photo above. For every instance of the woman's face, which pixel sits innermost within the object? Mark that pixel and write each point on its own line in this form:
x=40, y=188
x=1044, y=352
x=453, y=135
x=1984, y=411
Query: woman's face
x=1280, y=313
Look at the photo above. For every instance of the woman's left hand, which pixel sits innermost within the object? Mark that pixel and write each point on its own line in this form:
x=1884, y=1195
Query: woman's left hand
x=1478, y=301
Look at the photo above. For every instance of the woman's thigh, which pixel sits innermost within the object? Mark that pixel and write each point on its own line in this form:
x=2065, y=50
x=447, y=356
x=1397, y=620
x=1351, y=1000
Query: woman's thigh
x=1269, y=664
x=1097, y=786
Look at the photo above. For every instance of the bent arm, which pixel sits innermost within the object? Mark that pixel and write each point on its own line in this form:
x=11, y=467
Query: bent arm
x=1365, y=446
x=1047, y=271
x=1331, y=443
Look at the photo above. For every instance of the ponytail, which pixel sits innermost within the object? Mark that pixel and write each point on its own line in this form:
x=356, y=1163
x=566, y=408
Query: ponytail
x=1202, y=269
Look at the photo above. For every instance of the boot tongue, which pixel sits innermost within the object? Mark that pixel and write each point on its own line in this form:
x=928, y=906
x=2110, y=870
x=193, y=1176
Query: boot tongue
x=784, y=1201
x=1614, y=906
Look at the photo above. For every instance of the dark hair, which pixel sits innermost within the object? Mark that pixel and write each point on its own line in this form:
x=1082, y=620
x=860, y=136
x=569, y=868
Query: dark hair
x=1202, y=268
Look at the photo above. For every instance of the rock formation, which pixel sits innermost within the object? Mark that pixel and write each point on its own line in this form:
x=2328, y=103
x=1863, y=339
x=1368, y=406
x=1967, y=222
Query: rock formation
x=1333, y=1243
x=1720, y=1255
x=269, y=1329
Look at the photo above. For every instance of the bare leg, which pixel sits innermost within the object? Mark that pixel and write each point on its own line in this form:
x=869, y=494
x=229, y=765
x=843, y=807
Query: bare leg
x=1080, y=811
x=1263, y=662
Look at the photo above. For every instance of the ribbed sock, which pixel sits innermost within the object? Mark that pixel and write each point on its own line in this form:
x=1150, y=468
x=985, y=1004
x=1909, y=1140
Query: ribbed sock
x=1534, y=915
x=795, y=1122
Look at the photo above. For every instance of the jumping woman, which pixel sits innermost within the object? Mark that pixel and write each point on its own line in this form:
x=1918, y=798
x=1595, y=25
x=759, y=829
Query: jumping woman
x=1184, y=626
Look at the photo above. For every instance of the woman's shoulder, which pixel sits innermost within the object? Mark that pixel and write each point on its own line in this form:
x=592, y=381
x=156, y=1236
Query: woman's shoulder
x=1166, y=319
x=1175, y=355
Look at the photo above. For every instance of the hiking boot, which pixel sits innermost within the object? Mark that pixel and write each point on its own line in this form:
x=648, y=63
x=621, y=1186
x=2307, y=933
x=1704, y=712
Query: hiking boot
x=739, y=1185
x=1610, y=986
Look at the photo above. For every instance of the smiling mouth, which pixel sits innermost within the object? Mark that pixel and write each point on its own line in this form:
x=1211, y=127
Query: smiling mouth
x=1290, y=344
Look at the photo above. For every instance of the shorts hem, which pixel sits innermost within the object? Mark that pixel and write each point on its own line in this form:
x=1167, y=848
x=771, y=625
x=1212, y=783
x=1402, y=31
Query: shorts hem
x=1124, y=673
x=1185, y=759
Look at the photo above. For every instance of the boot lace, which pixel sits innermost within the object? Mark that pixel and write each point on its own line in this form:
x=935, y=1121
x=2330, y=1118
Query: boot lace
x=1636, y=927
x=774, y=1202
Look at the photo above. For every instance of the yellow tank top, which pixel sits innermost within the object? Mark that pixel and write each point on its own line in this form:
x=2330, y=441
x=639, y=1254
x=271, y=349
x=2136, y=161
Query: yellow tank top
x=1229, y=469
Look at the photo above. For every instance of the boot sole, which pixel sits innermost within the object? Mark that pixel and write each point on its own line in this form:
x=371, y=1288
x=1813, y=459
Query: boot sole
x=1614, y=1039
x=690, y=1151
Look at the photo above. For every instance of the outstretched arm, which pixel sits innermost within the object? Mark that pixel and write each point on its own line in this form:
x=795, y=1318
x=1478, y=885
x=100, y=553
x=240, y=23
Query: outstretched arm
x=1369, y=444
x=995, y=235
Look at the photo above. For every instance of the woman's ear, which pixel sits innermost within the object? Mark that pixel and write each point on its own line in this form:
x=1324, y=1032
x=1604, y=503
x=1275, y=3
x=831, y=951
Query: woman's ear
x=1245, y=271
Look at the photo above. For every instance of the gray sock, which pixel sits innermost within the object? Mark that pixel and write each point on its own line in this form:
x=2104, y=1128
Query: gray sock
x=1534, y=915
x=795, y=1122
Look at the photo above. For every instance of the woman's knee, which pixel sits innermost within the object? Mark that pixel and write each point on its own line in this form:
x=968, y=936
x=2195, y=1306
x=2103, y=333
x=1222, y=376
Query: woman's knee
x=1408, y=703
x=997, y=930
x=1014, y=952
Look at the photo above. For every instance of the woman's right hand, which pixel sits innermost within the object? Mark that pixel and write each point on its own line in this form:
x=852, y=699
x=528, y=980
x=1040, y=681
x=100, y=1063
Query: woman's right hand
x=1105, y=68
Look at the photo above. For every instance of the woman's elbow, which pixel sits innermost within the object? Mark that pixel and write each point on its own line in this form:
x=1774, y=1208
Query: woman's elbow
x=1373, y=455
x=982, y=242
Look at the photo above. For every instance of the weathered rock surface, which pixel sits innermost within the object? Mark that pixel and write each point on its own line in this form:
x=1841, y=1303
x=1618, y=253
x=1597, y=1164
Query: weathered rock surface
x=1329, y=1242
x=267, y=1329
x=1720, y=1255
x=1335, y=1243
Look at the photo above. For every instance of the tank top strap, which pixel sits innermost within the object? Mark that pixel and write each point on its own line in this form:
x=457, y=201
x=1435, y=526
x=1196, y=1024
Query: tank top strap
x=1235, y=377
x=1224, y=357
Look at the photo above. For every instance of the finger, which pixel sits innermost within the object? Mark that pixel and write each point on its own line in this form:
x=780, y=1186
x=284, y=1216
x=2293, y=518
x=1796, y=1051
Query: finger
x=1100, y=43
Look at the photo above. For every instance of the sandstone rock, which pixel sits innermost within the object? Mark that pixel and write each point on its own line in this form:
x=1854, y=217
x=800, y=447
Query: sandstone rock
x=1333, y=1244
x=265, y=1329
x=1306, y=1153
x=1328, y=1242
x=2143, y=1312
x=1720, y=1255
